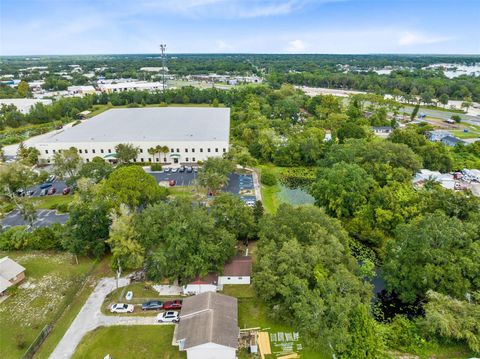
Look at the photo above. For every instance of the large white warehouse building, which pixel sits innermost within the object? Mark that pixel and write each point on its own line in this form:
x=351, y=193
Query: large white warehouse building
x=191, y=134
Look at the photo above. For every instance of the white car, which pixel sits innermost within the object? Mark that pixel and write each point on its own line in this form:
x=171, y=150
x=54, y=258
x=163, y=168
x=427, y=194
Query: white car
x=174, y=170
x=129, y=295
x=122, y=308
x=168, y=317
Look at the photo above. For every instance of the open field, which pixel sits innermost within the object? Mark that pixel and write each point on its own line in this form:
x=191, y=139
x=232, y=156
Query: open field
x=101, y=270
x=130, y=342
x=52, y=280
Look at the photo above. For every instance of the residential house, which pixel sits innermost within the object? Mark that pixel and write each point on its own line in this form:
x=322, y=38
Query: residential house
x=208, y=327
x=11, y=273
x=437, y=135
x=237, y=271
x=209, y=283
x=452, y=141
x=382, y=131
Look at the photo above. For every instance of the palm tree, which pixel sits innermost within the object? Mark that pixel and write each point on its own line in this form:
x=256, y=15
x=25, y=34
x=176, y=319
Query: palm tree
x=151, y=151
x=165, y=150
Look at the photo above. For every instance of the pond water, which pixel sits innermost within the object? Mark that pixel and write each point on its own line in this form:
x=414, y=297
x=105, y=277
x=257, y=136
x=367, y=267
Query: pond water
x=294, y=196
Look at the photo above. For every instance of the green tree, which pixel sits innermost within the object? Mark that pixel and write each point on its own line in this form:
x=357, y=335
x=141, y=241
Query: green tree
x=214, y=173
x=127, y=252
x=23, y=89
x=434, y=252
x=183, y=241
x=126, y=152
x=66, y=163
x=231, y=213
x=451, y=318
x=342, y=189
x=443, y=99
x=306, y=275
x=96, y=170
x=132, y=187
x=414, y=113
x=87, y=228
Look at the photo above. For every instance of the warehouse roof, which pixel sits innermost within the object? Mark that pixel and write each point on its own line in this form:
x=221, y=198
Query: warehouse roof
x=152, y=124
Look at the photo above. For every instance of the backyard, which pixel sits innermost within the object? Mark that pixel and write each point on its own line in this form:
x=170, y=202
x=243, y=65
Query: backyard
x=130, y=342
x=52, y=281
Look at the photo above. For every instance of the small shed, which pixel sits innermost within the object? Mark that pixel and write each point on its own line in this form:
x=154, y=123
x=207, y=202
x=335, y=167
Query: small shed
x=237, y=271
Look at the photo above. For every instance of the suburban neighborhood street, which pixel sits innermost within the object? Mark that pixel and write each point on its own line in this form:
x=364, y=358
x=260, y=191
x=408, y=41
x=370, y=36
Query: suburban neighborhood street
x=91, y=317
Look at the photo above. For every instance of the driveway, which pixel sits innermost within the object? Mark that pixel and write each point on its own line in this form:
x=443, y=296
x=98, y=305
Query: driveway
x=45, y=217
x=91, y=317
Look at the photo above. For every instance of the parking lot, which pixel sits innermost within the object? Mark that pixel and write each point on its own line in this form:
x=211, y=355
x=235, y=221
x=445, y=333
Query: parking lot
x=36, y=190
x=45, y=218
x=238, y=184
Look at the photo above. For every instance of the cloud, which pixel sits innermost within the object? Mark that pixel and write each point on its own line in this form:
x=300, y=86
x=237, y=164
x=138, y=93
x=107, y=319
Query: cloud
x=411, y=38
x=224, y=46
x=296, y=46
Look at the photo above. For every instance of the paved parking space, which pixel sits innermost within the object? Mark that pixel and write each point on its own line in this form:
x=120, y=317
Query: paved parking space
x=45, y=218
x=58, y=185
x=183, y=178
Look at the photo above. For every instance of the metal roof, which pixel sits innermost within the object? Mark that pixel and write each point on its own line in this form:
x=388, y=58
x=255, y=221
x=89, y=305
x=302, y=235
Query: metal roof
x=9, y=268
x=151, y=124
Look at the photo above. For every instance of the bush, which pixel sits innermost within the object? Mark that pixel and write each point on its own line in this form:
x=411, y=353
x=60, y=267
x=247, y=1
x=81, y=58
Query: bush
x=62, y=207
x=268, y=178
x=156, y=167
x=43, y=238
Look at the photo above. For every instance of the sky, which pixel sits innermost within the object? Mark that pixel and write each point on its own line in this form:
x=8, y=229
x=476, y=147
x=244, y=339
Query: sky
x=62, y=27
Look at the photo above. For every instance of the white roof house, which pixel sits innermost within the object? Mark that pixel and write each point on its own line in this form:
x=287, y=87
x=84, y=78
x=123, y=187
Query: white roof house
x=10, y=273
x=24, y=105
x=209, y=326
x=190, y=133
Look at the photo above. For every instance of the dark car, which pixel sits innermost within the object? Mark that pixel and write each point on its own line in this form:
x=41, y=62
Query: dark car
x=181, y=169
x=45, y=185
x=172, y=183
x=66, y=190
x=173, y=304
x=52, y=190
x=189, y=169
x=152, y=305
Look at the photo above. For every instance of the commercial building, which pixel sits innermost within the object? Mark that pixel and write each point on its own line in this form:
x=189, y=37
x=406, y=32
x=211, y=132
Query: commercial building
x=130, y=86
x=24, y=105
x=187, y=134
x=208, y=326
x=81, y=90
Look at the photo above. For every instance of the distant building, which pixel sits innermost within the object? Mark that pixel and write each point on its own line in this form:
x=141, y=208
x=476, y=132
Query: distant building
x=11, y=273
x=24, y=105
x=208, y=327
x=81, y=90
x=452, y=141
x=130, y=86
x=154, y=69
x=437, y=135
x=382, y=131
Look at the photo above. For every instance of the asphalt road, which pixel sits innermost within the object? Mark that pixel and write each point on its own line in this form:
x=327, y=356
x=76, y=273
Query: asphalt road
x=45, y=218
x=182, y=178
x=58, y=185
x=473, y=120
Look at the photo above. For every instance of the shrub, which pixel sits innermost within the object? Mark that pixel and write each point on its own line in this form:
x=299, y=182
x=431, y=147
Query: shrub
x=20, y=341
x=268, y=178
x=62, y=207
x=156, y=167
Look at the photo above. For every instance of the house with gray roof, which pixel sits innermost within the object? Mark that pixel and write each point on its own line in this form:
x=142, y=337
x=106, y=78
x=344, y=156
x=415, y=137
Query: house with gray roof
x=208, y=326
x=11, y=273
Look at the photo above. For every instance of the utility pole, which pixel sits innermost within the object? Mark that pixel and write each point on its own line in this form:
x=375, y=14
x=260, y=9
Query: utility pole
x=163, y=47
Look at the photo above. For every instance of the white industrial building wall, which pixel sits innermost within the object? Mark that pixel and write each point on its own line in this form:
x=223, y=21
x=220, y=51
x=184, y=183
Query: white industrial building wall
x=188, y=151
x=222, y=280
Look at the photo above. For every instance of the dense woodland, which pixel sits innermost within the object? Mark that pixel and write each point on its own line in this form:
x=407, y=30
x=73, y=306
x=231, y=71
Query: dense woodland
x=315, y=263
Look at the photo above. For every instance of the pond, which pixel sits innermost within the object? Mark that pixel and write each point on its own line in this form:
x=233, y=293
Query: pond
x=294, y=196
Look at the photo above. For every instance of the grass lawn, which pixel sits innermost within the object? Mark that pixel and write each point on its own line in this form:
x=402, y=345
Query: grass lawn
x=153, y=341
x=51, y=202
x=101, y=270
x=52, y=279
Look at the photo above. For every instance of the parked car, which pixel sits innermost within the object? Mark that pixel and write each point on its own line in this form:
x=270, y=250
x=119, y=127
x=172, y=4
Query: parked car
x=122, y=308
x=52, y=190
x=152, y=305
x=172, y=183
x=168, y=317
x=195, y=169
x=189, y=169
x=167, y=169
x=30, y=193
x=45, y=185
x=181, y=169
x=44, y=192
x=51, y=178
x=129, y=295
x=66, y=190
x=174, y=170
x=20, y=193
x=173, y=304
